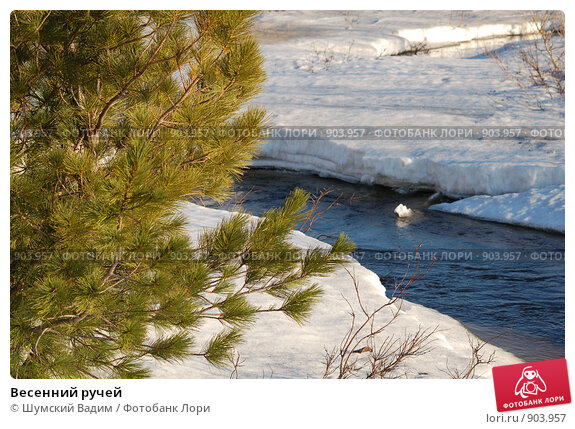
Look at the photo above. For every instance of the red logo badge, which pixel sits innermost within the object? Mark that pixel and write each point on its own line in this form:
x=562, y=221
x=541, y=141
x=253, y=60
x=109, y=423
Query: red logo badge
x=530, y=385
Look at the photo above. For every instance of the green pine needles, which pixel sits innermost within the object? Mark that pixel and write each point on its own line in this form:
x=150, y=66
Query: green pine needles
x=117, y=117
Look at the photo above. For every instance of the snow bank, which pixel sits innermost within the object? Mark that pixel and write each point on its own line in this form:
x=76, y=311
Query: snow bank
x=537, y=208
x=277, y=347
x=449, y=33
x=326, y=68
x=454, y=168
x=386, y=32
x=397, y=91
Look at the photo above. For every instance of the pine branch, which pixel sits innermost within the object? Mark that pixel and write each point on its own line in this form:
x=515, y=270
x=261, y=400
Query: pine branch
x=172, y=108
x=124, y=89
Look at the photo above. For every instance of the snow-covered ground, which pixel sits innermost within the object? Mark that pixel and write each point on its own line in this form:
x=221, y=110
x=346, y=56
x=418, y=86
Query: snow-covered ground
x=277, y=347
x=371, y=32
x=537, y=208
x=336, y=69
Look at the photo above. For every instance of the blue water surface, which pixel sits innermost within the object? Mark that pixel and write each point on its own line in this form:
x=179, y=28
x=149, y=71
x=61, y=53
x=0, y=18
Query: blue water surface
x=505, y=283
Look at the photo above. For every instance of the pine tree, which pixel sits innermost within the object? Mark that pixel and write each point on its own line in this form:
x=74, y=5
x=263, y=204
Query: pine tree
x=117, y=117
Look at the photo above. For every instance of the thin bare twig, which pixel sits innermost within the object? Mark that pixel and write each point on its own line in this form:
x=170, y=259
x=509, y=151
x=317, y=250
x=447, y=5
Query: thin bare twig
x=384, y=359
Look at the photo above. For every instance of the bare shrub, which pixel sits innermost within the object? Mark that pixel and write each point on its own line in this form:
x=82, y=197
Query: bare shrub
x=542, y=59
x=415, y=48
x=240, y=198
x=236, y=362
x=324, y=58
x=477, y=359
x=383, y=359
x=316, y=212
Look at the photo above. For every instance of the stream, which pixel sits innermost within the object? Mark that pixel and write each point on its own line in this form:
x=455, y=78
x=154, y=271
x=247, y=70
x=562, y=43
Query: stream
x=505, y=283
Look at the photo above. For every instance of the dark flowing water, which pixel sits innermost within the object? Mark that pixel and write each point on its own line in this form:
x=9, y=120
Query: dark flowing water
x=494, y=278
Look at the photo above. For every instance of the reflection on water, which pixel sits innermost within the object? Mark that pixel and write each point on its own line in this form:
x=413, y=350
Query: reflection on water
x=487, y=295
